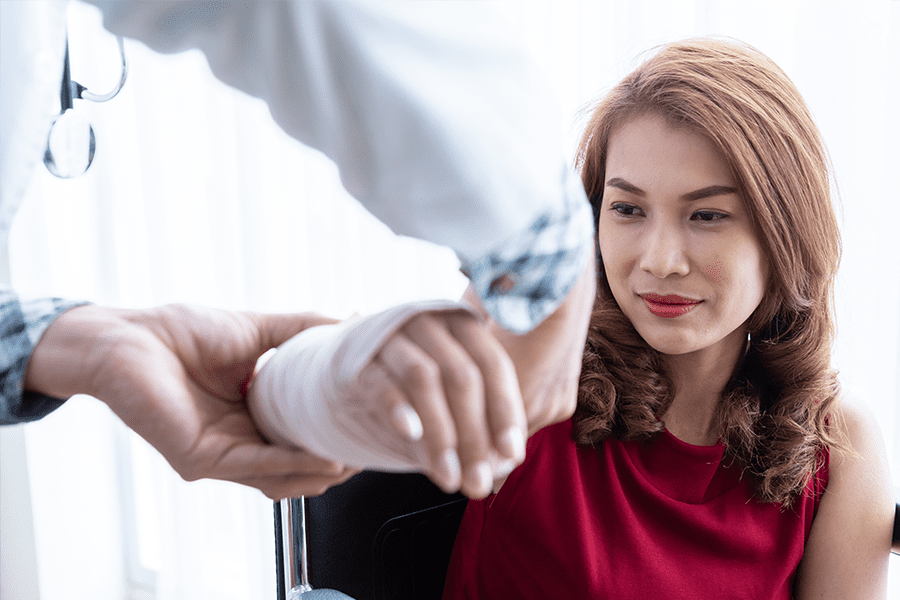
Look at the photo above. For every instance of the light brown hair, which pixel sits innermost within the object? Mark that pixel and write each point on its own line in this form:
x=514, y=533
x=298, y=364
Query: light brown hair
x=773, y=412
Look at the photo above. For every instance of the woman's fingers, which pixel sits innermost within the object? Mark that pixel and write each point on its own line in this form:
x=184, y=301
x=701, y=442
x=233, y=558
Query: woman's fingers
x=463, y=387
x=445, y=378
x=504, y=406
x=392, y=404
x=419, y=379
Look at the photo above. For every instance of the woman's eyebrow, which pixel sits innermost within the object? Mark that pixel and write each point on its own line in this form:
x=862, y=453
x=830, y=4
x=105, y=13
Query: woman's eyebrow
x=710, y=191
x=707, y=192
x=618, y=182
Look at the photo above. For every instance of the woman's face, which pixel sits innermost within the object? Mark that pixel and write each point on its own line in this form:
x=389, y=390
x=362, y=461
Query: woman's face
x=677, y=244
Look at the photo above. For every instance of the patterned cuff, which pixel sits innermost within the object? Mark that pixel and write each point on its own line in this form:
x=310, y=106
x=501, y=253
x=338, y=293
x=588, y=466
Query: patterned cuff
x=21, y=327
x=525, y=279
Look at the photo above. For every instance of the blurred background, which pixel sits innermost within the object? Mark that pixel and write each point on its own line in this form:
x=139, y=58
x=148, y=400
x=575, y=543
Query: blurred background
x=196, y=196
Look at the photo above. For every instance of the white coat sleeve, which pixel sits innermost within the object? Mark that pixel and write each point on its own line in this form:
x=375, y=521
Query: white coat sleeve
x=438, y=123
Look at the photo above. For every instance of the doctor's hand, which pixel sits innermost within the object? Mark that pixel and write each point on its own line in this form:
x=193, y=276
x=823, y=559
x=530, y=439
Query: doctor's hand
x=177, y=375
x=445, y=379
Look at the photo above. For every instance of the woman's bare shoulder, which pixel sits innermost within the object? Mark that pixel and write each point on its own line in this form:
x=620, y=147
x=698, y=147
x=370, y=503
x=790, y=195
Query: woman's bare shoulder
x=854, y=419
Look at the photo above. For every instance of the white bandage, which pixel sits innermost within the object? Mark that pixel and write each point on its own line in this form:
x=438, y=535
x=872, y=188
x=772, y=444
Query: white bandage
x=307, y=394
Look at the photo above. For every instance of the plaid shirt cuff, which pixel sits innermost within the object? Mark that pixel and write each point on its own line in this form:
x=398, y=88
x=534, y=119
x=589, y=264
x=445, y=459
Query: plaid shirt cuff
x=21, y=326
x=541, y=264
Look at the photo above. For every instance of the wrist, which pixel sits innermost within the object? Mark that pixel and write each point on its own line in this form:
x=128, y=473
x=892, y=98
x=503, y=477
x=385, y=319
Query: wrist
x=548, y=358
x=70, y=355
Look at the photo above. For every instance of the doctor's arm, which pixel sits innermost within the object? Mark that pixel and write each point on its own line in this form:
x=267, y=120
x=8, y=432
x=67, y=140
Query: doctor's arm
x=441, y=127
x=175, y=375
x=437, y=119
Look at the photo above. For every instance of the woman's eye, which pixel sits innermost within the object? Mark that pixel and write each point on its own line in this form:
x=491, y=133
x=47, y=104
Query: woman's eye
x=708, y=216
x=628, y=210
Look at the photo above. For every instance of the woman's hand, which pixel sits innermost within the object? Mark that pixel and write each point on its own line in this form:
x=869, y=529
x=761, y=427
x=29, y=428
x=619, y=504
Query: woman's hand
x=445, y=379
x=177, y=376
x=474, y=391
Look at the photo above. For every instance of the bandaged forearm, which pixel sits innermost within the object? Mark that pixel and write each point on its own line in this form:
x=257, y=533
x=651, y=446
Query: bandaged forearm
x=308, y=394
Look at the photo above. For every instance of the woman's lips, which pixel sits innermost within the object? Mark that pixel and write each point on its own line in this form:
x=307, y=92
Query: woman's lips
x=669, y=306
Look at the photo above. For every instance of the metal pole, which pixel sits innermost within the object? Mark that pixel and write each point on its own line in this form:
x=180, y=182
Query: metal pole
x=293, y=544
x=280, y=592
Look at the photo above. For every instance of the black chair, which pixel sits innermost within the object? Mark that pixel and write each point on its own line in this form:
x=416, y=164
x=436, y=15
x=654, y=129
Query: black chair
x=379, y=536
x=895, y=547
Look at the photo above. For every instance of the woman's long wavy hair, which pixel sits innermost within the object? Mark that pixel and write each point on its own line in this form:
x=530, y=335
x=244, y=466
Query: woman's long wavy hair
x=774, y=413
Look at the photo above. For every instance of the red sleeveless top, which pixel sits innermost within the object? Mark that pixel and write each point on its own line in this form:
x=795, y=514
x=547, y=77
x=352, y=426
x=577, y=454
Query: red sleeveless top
x=659, y=519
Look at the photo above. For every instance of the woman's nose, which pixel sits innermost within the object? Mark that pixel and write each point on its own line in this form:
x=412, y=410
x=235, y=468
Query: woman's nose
x=664, y=253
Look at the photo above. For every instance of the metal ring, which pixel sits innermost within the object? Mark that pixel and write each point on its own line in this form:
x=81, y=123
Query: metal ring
x=61, y=170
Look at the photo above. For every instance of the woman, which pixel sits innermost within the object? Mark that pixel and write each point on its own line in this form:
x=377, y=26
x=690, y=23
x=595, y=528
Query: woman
x=712, y=454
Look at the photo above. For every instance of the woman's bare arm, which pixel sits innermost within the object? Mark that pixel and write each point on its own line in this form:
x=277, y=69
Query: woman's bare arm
x=548, y=358
x=848, y=549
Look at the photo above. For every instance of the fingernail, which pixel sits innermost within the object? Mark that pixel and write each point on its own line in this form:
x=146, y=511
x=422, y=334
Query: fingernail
x=407, y=421
x=503, y=468
x=511, y=443
x=479, y=480
x=448, y=470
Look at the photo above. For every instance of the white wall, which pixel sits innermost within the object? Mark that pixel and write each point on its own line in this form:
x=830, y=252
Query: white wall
x=196, y=197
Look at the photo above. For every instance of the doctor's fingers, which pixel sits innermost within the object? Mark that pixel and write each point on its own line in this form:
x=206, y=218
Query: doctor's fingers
x=295, y=485
x=277, y=471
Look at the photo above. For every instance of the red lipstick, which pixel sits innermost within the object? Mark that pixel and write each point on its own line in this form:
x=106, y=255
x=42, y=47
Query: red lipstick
x=670, y=306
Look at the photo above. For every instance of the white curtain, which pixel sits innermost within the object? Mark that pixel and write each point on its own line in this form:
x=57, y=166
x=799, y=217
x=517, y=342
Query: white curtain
x=195, y=196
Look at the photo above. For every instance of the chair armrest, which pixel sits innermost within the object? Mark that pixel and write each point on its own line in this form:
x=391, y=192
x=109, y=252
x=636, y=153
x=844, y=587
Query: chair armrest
x=895, y=546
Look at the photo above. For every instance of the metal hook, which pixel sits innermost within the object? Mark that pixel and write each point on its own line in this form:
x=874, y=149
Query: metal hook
x=82, y=93
x=71, y=142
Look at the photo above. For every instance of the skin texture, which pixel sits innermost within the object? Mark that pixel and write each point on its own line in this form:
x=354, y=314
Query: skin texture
x=659, y=242
x=177, y=375
x=657, y=236
x=477, y=387
x=548, y=358
x=848, y=551
x=445, y=378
